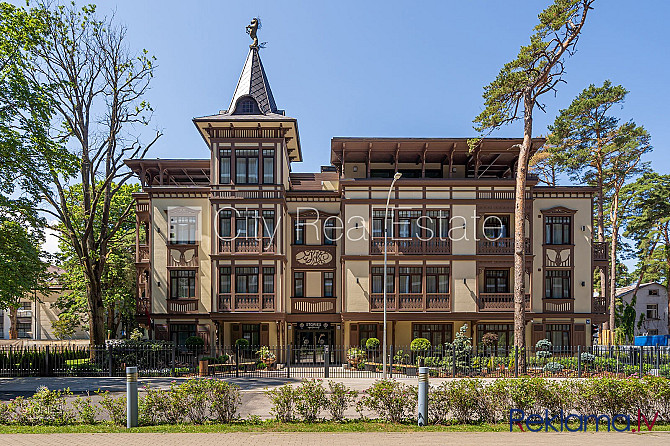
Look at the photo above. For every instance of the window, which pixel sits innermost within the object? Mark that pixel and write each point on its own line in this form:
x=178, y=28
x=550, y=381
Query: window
x=653, y=292
x=365, y=332
x=24, y=329
x=224, y=166
x=437, y=334
x=408, y=224
x=246, y=106
x=496, y=226
x=268, y=166
x=224, y=280
x=559, y=335
x=409, y=280
x=298, y=284
x=182, y=284
x=378, y=279
x=557, y=230
x=496, y=280
x=182, y=229
x=328, y=284
x=437, y=224
x=437, y=279
x=299, y=232
x=652, y=311
x=268, y=224
x=329, y=231
x=505, y=333
x=246, y=224
x=180, y=332
x=225, y=223
x=378, y=224
x=252, y=333
x=557, y=284
x=268, y=280
x=246, y=166
x=246, y=279
x=652, y=332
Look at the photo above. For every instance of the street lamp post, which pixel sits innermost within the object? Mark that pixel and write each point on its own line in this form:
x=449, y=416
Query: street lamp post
x=386, y=211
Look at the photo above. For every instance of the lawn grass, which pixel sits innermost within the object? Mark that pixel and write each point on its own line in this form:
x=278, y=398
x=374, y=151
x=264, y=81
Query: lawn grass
x=269, y=426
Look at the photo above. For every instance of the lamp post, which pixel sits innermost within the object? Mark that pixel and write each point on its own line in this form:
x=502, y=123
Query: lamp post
x=386, y=211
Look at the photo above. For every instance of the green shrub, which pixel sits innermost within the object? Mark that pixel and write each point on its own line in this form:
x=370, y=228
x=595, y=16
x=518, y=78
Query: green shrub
x=461, y=399
x=543, y=348
x=391, y=400
x=341, y=397
x=372, y=344
x=587, y=358
x=553, y=367
x=242, y=343
x=194, y=342
x=47, y=408
x=282, y=399
x=310, y=399
x=115, y=408
x=225, y=400
x=420, y=345
x=85, y=410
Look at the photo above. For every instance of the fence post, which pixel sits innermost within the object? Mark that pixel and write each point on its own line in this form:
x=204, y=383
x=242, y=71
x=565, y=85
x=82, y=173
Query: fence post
x=579, y=361
x=390, y=362
x=453, y=360
x=110, y=363
x=641, y=361
x=46, y=361
x=288, y=360
x=326, y=361
x=516, y=361
x=173, y=360
x=237, y=361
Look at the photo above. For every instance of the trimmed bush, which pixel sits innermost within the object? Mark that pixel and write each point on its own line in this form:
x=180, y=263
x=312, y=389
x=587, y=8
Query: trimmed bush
x=242, y=343
x=282, y=399
x=310, y=399
x=372, y=343
x=420, y=345
x=341, y=397
x=553, y=367
x=391, y=400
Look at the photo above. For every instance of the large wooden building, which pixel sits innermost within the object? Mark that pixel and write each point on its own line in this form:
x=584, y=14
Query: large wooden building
x=235, y=245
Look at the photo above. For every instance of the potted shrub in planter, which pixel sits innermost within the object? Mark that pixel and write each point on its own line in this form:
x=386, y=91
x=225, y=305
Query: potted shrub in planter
x=372, y=346
x=266, y=356
x=355, y=356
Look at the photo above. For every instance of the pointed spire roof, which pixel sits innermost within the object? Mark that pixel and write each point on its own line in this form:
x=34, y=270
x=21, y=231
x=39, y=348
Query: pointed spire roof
x=253, y=82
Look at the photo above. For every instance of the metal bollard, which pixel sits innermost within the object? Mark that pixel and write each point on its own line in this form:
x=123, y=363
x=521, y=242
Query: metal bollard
x=423, y=396
x=131, y=397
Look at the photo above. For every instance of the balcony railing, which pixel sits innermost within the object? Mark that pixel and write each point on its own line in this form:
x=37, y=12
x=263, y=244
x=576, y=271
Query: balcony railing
x=183, y=306
x=182, y=255
x=313, y=304
x=599, y=305
x=599, y=251
x=247, y=246
x=499, y=301
x=411, y=302
x=550, y=305
x=142, y=207
x=236, y=194
x=411, y=246
x=246, y=302
x=504, y=246
x=142, y=254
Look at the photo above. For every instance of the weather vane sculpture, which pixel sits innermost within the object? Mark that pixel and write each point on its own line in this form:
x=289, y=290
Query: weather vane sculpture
x=252, y=29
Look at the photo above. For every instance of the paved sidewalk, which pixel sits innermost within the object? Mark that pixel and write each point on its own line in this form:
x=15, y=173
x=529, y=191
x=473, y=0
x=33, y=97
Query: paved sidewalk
x=344, y=439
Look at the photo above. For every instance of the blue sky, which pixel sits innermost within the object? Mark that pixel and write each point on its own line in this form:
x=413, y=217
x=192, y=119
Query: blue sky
x=384, y=68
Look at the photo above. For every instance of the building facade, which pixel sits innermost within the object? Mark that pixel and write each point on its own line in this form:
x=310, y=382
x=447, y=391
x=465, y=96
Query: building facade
x=236, y=245
x=652, y=304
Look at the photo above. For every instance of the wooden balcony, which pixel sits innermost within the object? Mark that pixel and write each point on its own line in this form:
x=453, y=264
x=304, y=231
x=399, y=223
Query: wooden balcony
x=224, y=192
x=501, y=246
x=247, y=246
x=142, y=254
x=411, y=246
x=550, y=305
x=313, y=304
x=499, y=301
x=246, y=302
x=411, y=302
x=182, y=306
x=143, y=306
x=600, y=255
x=599, y=305
x=182, y=255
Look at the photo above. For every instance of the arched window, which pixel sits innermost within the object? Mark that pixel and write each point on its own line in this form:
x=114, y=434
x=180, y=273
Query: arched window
x=246, y=106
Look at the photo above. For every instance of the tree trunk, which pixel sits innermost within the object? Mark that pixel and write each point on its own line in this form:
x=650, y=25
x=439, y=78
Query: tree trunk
x=600, y=222
x=614, y=213
x=13, y=322
x=520, y=234
x=96, y=314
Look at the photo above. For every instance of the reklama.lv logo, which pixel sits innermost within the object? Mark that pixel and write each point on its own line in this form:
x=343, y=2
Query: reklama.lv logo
x=576, y=423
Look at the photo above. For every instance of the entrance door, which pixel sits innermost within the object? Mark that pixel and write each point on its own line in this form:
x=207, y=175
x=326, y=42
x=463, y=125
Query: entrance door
x=309, y=346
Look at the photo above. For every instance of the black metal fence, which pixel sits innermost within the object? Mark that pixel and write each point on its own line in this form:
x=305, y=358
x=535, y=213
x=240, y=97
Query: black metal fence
x=292, y=361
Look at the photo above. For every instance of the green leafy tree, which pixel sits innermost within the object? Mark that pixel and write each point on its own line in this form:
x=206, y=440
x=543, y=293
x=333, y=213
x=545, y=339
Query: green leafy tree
x=513, y=95
x=26, y=150
x=118, y=276
x=97, y=87
x=626, y=321
x=22, y=271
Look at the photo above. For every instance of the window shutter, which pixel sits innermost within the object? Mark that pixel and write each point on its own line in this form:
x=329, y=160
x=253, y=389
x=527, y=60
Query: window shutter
x=265, y=334
x=353, y=335
x=579, y=335
x=235, y=333
x=538, y=333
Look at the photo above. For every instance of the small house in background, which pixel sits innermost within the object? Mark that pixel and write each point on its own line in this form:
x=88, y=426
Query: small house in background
x=652, y=302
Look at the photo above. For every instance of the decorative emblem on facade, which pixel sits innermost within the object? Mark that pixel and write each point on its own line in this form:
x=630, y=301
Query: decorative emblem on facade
x=557, y=257
x=314, y=257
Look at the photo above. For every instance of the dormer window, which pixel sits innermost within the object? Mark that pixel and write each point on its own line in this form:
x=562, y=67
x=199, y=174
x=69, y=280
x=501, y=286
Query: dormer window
x=247, y=106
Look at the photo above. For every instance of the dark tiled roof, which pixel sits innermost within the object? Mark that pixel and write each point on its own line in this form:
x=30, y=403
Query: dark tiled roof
x=253, y=82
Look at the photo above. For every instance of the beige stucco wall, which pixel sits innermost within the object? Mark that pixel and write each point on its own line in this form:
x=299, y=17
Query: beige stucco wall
x=358, y=298
x=463, y=240
x=464, y=294
x=358, y=238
